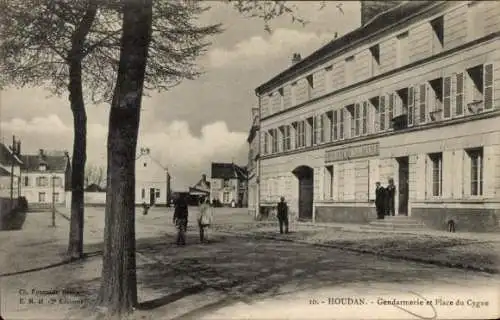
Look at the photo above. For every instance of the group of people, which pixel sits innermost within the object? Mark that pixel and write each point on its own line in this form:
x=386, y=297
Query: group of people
x=385, y=199
x=180, y=219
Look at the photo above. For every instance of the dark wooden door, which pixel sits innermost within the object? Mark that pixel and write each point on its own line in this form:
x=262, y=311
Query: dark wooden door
x=152, y=196
x=306, y=189
x=403, y=185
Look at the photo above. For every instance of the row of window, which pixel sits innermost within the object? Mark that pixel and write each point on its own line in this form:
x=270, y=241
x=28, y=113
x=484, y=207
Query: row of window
x=43, y=181
x=42, y=197
x=401, y=52
x=443, y=98
x=143, y=193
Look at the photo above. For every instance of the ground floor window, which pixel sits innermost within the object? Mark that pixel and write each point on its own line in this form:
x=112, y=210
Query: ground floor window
x=476, y=171
x=436, y=160
x=328, y=182
x=41, y=197
x=225, y=197
x=56, y=197
x=143, y=193
x=157, y=193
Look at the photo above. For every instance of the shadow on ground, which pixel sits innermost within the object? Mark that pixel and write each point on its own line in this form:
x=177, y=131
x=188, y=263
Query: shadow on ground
x=13, y=220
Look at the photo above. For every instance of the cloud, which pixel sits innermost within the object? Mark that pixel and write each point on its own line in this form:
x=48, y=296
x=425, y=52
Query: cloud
x=281, y=42
x=175, y=146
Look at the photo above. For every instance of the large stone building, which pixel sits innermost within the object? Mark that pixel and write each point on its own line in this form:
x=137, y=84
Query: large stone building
x=413, y=95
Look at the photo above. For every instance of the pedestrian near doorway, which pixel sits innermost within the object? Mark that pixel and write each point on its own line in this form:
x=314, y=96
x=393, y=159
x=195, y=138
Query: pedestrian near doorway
x=282, y=214
x=380, y=200
x=391, y=196
x=180, y=220
x=205, y=217
x=145, y=208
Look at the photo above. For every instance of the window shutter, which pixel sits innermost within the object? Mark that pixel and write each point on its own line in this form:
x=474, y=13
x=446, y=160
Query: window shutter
x=448, y=169
x=420, y=169
x=457, y=174
x=335, y=126
x=390, y=110
x=321, y=183
x=422, y=103
x=489, y=166
x=341, y=125
x=411, y=106
x=459, y=94
x=357, y=116
x=447, y=97
x=364, y=120
x=335, y=184
x=374, y=176
x=488, y=86
x=466, y=174
x=382, y=113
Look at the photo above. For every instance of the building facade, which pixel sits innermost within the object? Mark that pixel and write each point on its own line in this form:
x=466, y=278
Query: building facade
x=412, y=95
x=152, y=180
x=228, y=183
x=253, y=164
x=45, y=177
x=10, y=171
x=201, y=190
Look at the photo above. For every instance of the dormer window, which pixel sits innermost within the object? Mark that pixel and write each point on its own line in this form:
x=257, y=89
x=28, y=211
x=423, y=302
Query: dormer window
x=42, y=167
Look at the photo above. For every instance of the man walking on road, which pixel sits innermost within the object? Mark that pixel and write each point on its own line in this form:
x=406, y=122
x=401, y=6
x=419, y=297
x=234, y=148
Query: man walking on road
x=283, y=214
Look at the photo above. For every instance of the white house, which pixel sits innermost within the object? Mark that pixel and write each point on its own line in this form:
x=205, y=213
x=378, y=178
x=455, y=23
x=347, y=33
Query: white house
x=152, y=180
x=228, y=183
x=45, y=177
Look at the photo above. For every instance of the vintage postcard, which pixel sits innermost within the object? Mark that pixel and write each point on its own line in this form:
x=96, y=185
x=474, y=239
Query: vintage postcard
x=249, y=159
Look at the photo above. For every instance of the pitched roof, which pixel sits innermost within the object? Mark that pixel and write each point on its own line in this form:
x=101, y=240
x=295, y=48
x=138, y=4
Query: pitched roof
x=228, y=171
x=54, y=163
x=378, y=23
x=6, y=155
x=4, y=173
x=152, y=158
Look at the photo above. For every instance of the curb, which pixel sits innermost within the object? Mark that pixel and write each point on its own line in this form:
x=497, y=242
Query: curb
x=379, y=254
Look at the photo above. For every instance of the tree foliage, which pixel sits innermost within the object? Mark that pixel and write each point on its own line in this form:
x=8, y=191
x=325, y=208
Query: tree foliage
x=95, y=174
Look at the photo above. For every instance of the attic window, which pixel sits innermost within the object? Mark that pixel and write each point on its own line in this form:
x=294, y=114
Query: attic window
x=42, y=167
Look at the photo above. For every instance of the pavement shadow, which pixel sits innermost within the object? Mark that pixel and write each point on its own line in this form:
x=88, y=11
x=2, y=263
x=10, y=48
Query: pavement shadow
x=13, y=220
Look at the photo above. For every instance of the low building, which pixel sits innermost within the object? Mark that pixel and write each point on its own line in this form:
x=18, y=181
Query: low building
x=253, y=165
x=228, y=184
x=152, y=180
x=45, y=177
x=412, y=95
x=201, y=189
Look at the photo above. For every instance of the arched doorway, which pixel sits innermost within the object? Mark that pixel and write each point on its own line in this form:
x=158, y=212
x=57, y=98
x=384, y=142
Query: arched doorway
x=305, y=175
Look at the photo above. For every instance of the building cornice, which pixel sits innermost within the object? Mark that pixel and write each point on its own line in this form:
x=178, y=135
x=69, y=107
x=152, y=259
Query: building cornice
x=326, y=53
x=390, y=73
x=421, y=127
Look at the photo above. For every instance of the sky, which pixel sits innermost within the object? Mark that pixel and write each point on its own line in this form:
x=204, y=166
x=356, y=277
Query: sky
x=199, y=121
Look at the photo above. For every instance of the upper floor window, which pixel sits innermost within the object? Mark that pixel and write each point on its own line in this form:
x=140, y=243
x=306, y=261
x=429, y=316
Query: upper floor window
x=310, y=131
x=328, y=79
x=281, y=98
x=435, y=99
x=265, y=147
x=364, y=118
x=286, y=141
x=335, y=125
x=375, y=60
x=437, y=34
x=319, y=133
x=42, y=182
x=349, y=70
x=274, y=140
x=300, y=134
x=350, y=110
x=375, y=103
x=226, y=183
x=381, y=113
x=479, y=88
x=402, y=53
x=310, y=86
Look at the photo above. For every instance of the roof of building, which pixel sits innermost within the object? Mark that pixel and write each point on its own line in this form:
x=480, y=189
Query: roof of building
x=6, y=155
x=381, y=21
x=252, y=133
x=141, y=155
x=54, y=163
x=228, y=171
x=3, y=172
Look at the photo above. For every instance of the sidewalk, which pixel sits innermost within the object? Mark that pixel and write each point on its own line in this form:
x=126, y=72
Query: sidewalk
x=472, y=251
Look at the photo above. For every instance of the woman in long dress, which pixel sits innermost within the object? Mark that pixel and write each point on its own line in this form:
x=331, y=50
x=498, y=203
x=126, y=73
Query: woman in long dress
x=205, y=217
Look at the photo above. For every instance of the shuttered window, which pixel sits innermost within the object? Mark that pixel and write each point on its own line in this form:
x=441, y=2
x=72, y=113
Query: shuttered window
x=364, y=120
x=382, y=113
x=341, y=124
x=357, y=119
x=390, y=110
x=422, y=106
x=335, y=126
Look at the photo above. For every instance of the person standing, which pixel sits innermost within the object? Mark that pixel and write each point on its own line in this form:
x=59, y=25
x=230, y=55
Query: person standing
x=205, y=217
x=282, y=214
x=380, y=200
x=145, y=208
x=391, y=196
x=180, y=220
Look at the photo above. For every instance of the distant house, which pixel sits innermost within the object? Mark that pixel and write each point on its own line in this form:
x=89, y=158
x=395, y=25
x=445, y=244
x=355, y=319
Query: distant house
x=228, y=183
x=9, y=171
x=201, y=189
x=152, y=180
x=45, y=177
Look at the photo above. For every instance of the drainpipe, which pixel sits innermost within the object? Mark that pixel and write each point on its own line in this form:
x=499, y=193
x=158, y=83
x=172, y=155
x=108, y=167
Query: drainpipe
x=257, y=166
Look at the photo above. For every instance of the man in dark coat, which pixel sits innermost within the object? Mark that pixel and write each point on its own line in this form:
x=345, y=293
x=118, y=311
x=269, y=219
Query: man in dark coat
x=391, y=196
x=180, y=220
x=283, y=214
x=380, y=200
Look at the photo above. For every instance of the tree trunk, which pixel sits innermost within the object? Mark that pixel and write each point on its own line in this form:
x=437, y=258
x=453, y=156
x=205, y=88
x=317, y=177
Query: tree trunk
x=75, y=248
x=118, y=292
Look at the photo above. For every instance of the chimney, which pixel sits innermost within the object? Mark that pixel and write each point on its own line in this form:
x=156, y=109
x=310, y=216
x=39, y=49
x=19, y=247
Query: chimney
x=296, y=58
x=369, y=9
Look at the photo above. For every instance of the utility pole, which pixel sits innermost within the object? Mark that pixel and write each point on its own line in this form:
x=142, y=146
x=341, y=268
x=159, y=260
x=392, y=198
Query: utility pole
x=12, y=160
x=53, y=201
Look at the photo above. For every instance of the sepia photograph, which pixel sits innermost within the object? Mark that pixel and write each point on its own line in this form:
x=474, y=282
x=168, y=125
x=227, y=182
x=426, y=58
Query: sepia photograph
x=248, y=159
